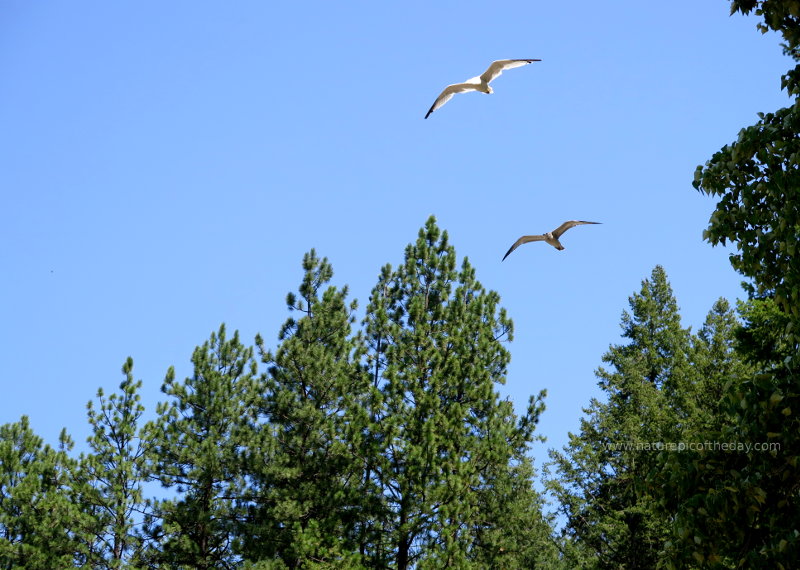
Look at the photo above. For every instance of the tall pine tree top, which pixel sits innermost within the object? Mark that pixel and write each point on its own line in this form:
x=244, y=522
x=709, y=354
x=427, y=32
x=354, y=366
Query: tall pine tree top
x=436, y=339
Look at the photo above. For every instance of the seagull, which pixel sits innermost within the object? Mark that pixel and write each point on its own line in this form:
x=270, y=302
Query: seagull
x=480, y=83
x=549, y=237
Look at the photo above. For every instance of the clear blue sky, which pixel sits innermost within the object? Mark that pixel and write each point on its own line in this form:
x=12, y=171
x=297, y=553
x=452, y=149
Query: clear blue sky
x=165, y=165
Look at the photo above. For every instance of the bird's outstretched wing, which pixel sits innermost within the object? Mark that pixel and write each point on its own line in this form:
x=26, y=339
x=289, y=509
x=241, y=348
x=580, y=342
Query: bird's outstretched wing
x=567, y=225
x=520, y=241
x=499, y=66
x=448, y=93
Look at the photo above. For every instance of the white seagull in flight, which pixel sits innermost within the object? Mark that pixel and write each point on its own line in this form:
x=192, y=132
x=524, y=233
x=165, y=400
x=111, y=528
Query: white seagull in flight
x=549, y=237
x=480, y=83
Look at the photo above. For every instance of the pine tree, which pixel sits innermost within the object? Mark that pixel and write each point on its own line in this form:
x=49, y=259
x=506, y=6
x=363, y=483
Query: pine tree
x=447, y=440
x=198, y=444
x=42, y=525
x=601, y=482
x=115, y=472
x=308, y=465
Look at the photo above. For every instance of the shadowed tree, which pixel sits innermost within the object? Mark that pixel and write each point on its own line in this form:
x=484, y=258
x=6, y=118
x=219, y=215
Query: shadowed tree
x=735, y=506
x=743, y=509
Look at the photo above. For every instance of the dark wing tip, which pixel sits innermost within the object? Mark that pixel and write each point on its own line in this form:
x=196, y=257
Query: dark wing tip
x=508, y=252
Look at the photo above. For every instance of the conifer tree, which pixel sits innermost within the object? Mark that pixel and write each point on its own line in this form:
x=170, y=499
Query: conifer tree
x=447, y=440
x=198, y=444
x=114, y=471
x=42, y=524
x=611, y=513
x=716, y=363
x=307, y=469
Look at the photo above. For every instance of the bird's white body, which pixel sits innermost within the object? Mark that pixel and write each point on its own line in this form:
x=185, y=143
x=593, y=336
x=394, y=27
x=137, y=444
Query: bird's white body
x=480, y=83
x=477, y=84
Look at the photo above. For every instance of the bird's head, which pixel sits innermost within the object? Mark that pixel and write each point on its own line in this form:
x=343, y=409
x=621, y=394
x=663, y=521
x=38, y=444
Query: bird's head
x=489, y=90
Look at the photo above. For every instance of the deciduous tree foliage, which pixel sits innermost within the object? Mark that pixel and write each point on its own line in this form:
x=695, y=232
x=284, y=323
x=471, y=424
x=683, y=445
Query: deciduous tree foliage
x=742, y=509
x=757, y=180
x=736, y=507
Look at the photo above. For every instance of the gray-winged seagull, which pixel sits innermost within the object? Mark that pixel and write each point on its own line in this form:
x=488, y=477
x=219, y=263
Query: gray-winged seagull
x=480, y=83
x=548, y=237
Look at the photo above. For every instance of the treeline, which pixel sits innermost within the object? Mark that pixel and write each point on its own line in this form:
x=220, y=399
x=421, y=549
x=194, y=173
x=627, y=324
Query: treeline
x=382, y=447
x=387, y=445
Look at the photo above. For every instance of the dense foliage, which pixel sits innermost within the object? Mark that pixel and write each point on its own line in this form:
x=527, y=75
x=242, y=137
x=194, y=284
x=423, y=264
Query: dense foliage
x=661, y=393
x=733, y=509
